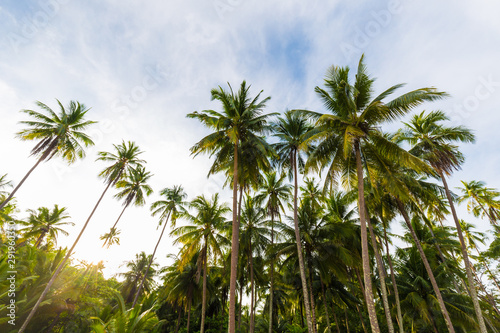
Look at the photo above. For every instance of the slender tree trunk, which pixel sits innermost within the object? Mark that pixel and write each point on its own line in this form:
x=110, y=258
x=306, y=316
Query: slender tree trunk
x=241, y=302
x=335, y=318
x=427, y=267
x=325, y=304
x=150, y=261
x=204, y=297
x=311, y=293
x=178, y=319
x=361, y=319
x=394, y=284
x=381, y=274
x=470, y=278
x=39, y=240
x=252, y=319
x=114, y=225
x=61, y=265
x=234, y=247
x=271, y=291
x=370, y=303
x=11, y=195
x=299, y=246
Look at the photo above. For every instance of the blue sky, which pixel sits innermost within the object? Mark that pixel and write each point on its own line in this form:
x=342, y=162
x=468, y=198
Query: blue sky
x=142, y=66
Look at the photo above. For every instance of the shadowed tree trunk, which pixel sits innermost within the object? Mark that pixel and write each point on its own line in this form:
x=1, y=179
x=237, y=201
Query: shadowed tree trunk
x=325, y=305
x=234, y=247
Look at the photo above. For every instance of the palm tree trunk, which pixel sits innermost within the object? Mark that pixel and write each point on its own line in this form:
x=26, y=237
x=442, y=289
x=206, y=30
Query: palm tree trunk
x=325, y=305
x=311, y=293
x=271, y=291
x=335, y=318
x=490, y=298
x=488, y=270
x=381, y=274
x=252, y=314
x=114, y=225
x=150, y=261
x=346, y=320
x=361, y=319
x=470, y=277
x=178, y=320
x=427, y=267
x=39, y=240
x=234, y=247
x=61, y=265
x=394, y=284
x=492, y=220
x=370, y=303
x=241, y=301
x=204, y=297
x=299, y=246
x=11, y=195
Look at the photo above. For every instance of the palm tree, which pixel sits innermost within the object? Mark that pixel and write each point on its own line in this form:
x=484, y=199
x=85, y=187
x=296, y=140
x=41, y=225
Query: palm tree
x=481, y=200
x=170, y=207
x=3, y=184
x=254, y=240
x=134, y=190
x=292, y=131
x=241, y=120
x=137, y=269
x=204, y=234
x=57, y=135
x=126, y=157
x=273, y=193
x=44, y=223
x=353, y=122
x=433, y=141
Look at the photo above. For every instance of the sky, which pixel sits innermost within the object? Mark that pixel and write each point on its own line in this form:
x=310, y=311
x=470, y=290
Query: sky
x=141, y=66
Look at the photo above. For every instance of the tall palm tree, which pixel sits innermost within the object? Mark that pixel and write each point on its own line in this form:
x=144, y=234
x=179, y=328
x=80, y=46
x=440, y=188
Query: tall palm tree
x=241, y=120
x=205, y=235
x=170, y=207
x=354, y=121
x=273, y=192
x=434, y=142
x=254, y=240
x=292, y=131
x=134, y=189
x=481, y=200
x=57, y=135
x=44, y=223
x=126, y=157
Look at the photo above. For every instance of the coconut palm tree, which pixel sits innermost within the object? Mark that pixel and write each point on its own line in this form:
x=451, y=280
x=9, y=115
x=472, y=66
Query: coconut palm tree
x=254, y=240
x=126, y=157
x=134, y=189
x=273, y=192
x=241, y=120
x=205, y=235
x=44, y=223
x=434, y=142
x=292, y=131
x=58, y=134
x=481, y=200
x=137, y=269
x=170, y=207
x=353, y=122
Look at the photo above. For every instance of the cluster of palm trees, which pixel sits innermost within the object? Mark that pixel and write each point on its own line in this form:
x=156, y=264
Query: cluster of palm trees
x=302, y=254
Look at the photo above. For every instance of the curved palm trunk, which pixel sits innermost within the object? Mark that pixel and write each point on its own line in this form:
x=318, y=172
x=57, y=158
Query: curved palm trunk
x=299, y=246
x=150, y=261
x=271, y=291
x=427, y=267
x=370, y=303
x=394, y=284
x=11, y=195
x=204, y=297
x=470, y=277
x=382, y=275
x=61, y=265
x=234, y=247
